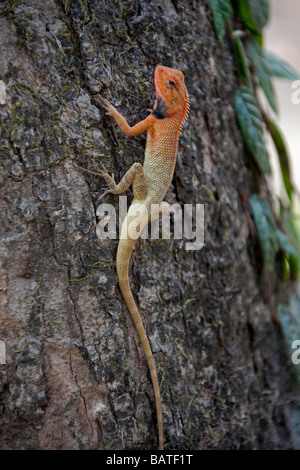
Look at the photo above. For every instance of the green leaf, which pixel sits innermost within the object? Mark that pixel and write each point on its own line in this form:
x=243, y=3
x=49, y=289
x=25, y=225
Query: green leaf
x=291, y=227
x=254, y=13
x=251, y=124
x=266, y=229
x=263, y=72
x=290, y=322
x=279, y=68
x=286, y=244
x=290, y=319
x=282, y=156
x=221, y=10
x=242, y=61
x=259, y=10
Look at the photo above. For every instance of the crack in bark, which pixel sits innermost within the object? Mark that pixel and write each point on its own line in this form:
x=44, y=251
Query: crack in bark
x=80, y=393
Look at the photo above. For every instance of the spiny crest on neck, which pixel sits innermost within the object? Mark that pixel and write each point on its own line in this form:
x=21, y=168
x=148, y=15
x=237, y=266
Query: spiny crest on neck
x=185, y=112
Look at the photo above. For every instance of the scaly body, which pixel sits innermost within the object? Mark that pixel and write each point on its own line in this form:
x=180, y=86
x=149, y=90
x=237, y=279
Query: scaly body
x=150, y=183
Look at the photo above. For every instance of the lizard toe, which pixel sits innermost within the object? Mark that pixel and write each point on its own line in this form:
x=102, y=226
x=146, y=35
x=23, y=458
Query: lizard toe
x=108, y=191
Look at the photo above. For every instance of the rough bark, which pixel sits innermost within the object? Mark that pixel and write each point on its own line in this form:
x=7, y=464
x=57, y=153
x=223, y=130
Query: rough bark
x=75, y=375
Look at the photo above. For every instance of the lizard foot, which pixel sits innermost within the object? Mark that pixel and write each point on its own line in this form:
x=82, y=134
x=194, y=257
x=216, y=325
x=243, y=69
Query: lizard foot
x=108, y=191
x=96, y=173
x=103, y=173
x=110, y=179
x=105, y=104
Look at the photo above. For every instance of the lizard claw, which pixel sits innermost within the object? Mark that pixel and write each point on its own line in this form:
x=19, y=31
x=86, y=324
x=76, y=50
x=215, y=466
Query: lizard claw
x=101, y=173
x=102, y=101
x=105, y=104
x=108, y=191
x=81, y=168
x=110, y=179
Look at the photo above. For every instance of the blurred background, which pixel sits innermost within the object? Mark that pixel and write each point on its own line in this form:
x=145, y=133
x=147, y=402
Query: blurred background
x=282, y=36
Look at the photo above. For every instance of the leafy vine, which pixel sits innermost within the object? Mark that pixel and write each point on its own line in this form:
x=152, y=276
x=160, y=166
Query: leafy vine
x=277, y=230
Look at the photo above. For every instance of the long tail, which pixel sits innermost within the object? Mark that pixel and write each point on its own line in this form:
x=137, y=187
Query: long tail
x=123, y=259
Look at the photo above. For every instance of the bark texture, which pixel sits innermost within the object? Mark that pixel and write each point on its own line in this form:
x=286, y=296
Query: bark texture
x=75, y=375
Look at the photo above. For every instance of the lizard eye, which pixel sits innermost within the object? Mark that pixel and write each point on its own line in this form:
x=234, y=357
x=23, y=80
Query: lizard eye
x=170, y=83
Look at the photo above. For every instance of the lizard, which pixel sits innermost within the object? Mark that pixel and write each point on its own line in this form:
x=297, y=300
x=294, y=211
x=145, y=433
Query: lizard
x=150, y=183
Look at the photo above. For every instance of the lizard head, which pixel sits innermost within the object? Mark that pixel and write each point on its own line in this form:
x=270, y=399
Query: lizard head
x=171, y=93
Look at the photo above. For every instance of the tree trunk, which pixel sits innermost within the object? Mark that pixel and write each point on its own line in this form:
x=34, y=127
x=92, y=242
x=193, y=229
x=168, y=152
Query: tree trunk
x=75, y=375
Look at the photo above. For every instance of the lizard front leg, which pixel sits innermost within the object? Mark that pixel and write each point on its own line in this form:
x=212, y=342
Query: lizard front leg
x=121, y=121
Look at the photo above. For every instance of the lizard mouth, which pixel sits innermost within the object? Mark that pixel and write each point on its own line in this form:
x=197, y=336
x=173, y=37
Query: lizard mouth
x=161, y=110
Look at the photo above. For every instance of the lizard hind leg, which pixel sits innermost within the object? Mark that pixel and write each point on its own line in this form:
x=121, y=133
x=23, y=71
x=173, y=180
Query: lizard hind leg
x=134, y=176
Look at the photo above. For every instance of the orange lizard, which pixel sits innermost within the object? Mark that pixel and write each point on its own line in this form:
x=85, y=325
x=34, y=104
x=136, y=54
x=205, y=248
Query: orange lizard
x=150, y=182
